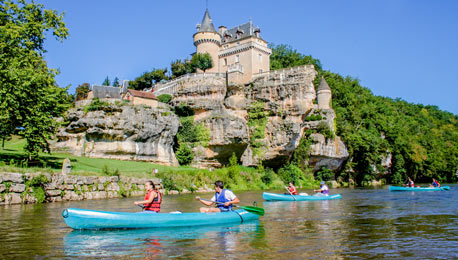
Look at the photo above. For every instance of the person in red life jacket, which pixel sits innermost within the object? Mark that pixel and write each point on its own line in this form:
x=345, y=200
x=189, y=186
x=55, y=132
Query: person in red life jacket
x=153, y=199
x=292, y=189
x=410, y=183
x=435, y=184
x=223, y=198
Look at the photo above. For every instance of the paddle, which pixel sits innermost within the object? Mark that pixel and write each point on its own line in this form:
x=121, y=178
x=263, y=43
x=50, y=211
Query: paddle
x=255, y=210
x=290, y=193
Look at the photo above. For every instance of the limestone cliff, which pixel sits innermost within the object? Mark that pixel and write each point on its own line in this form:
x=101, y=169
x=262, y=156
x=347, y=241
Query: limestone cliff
x=260, y=121
x=288, y=99
x=120, y=131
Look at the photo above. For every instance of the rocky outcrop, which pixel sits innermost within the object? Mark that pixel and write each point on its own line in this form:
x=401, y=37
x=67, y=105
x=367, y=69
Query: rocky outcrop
x=120, y=131
x=288, y=97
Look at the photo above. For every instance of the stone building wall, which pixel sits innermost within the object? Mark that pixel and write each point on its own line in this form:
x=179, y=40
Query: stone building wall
x=17, y=188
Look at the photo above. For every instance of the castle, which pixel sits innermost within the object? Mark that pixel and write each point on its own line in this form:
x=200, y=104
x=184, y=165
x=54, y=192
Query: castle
x=239, y=51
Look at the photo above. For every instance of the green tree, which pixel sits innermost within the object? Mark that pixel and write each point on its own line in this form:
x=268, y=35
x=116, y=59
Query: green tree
x=184, y=154
x=106, y=82
x=202, y=61
x=29, y=96
x=148, y=79
x=115, y=82
x=284, y=56
x=180, y=68
x=81, y=91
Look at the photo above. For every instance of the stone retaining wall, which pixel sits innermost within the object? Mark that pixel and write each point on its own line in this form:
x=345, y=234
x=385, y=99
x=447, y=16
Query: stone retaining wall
x=17, y=188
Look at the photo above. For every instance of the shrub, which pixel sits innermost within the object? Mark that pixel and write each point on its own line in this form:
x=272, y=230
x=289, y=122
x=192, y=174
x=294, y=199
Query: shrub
x=268, y=176
x=184, y=154
x=291, y=173
x=324, y=129
x=324, y=174
x=164, y=98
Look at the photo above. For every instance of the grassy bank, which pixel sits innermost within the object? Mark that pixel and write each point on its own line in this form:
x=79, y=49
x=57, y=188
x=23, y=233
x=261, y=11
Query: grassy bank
x=13, y=159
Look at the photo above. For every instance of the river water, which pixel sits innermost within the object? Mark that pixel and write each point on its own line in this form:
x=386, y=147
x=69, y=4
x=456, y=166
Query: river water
x=364, y=224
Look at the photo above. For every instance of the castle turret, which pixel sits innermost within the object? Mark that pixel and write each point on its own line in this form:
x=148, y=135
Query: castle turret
x=324, y=95
x=206, y=39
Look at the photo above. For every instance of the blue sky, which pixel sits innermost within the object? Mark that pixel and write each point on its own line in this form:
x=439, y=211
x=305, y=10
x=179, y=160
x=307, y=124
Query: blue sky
x=396, y=48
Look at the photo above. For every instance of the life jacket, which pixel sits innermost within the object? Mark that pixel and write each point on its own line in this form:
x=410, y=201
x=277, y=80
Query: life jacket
x=436, y=184
x=293, y=190
x=155, y=205
x=324, y=189
x=411, y=184
x=222, y=199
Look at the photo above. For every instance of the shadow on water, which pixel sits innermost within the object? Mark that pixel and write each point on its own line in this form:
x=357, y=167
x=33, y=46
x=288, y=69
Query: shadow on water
x=159, y=241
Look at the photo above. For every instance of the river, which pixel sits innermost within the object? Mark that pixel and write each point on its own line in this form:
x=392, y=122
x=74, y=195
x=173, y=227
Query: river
x=364, y=224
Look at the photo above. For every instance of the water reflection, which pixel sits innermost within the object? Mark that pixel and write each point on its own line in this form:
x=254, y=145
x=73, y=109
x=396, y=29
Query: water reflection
x=162, y=241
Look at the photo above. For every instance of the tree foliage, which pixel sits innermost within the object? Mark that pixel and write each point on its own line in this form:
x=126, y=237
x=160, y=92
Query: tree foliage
x=202, y=61
x=82, y=91
x=284, y=56
x=148, y=79
x=106, y=82
x=180, y=68
x=29, y=97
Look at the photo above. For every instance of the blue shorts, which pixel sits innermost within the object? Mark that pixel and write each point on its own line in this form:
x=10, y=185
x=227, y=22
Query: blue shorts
x=224, y=209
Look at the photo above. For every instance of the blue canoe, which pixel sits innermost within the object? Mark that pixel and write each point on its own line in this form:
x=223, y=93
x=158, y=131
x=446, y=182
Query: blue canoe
x=287, y=197
x=93, y=219
x=399, y=188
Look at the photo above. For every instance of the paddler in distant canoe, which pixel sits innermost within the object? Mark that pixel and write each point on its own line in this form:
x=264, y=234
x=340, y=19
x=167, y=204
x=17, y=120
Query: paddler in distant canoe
x=324, y=189
x=223, y=198
x=435, y=184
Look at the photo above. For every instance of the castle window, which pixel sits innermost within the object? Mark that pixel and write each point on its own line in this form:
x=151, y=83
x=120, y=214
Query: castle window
x=237, y=58
x=260, y=70
x=260, y=57
x=225, y=61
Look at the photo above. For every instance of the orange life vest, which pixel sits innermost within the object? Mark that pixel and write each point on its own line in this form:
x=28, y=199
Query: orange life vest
x=155, y=205
x=293, y=190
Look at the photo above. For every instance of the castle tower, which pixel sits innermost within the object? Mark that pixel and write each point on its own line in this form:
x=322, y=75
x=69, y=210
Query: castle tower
x=206, y=39
x=324, y=95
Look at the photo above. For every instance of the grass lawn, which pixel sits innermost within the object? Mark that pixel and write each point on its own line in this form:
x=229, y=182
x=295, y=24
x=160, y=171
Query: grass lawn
x=12, y=156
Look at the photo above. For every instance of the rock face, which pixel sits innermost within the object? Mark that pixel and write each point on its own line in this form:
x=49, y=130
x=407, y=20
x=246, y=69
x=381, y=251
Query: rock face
x=121, y=132
x=288, y=98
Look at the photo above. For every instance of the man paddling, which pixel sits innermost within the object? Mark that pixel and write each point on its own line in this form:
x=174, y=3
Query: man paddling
x=435, y=184
x=324, y=189
x=153, y=199
x=223, y=198
x=410, y=183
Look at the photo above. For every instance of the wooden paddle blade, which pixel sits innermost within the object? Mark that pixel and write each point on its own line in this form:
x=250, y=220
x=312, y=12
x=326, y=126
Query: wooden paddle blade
x=254, y=210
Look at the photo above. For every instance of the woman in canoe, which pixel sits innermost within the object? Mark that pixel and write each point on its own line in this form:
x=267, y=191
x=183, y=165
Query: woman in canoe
x=223, y=198
x=324, y=189
x=153, y=199
x=410, y=183
x=292, y=190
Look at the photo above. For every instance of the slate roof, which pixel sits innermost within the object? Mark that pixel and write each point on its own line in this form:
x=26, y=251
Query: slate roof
x=323, y=85
x=106, y=92
x=207, y=23
x=142, y=94
x=247, y=30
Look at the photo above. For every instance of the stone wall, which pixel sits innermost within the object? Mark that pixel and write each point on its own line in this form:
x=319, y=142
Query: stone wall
x=17, y=188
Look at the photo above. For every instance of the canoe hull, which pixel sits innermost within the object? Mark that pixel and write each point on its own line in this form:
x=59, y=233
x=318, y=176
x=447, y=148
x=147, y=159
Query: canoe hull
x=398, y=188
x=286, y=197
x=93, y=219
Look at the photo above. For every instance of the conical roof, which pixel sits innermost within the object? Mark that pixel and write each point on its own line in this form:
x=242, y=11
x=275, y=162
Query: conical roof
x=323, y=85
x=207, y=23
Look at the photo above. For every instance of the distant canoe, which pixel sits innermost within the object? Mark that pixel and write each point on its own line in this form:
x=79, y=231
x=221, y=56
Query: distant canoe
x=399, y=188
x=94, y=219
x=287, y=197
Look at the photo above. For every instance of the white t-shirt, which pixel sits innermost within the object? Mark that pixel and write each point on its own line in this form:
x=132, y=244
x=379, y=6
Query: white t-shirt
x=228, y=194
